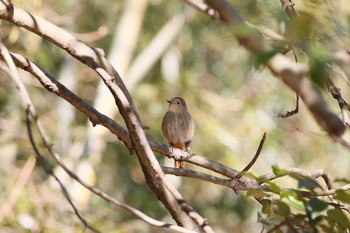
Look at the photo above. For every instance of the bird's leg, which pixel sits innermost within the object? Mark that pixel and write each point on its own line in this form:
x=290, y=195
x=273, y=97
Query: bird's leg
x=172, y=147
x=188, y=152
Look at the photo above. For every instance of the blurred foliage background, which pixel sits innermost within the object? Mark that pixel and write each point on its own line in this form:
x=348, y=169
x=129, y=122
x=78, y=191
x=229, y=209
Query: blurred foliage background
x=232, y=101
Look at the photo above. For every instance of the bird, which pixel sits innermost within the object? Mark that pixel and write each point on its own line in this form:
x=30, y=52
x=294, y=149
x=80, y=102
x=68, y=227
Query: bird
x=178, y=127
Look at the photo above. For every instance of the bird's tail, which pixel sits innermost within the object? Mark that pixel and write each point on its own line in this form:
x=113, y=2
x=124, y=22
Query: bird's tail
x=179, y=163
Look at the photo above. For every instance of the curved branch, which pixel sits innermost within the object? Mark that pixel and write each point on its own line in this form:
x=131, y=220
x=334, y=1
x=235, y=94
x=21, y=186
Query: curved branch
x=244, y=183
x=294, y=75
x=56, y=87
x=251, y=163
x=212, y=179
x=95, y=59
x=202, y=162
x=31, y=112
x=60, y=90
x=301, y=173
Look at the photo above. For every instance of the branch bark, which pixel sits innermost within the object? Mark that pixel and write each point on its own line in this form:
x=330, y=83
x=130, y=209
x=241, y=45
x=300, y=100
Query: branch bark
x=182, y=213
x=293, y=75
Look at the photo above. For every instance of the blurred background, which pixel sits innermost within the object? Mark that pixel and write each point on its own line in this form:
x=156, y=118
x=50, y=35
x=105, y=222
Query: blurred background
x=161, y=49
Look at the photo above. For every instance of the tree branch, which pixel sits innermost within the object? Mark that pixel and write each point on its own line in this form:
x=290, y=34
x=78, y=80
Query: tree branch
x=293, y=112
x=251, y=163
x=231, y=183
x=31, y=112
x=300, y=173
x=60, y=90
x=293, y=75
x=343, y=105
x=95, y=59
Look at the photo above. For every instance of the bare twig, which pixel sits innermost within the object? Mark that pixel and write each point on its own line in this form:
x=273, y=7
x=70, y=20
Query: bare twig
x=251, y=163
x=245, y=183
x=293, y=112
x=30, y=111
x=96, y=117
x=343, y=105
x=213, y=179
x=210, y=164
x=56, y=87
x=96, y=60
x=294, y=75
x=42, y=162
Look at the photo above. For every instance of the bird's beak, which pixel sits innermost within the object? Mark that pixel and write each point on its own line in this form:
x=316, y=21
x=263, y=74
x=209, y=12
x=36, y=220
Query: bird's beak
x=168, y=101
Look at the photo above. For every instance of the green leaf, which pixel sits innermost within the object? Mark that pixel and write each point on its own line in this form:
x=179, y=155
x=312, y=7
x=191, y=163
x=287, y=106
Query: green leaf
x=298, y=218
x=338, y=216
x=294, y=202
x=342, y=196
x=317, y=204
x=287, y=193
x=283, y=207
x=266, y=206
x=278, y=171
x=319, y=70
x=274, y=188
x=256, y=193
x=250, y=174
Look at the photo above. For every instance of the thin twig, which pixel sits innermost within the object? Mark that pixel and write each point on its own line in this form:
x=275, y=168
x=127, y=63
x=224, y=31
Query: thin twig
x=292, y=74
x=245, y=183
x=30, y=111
x=48, y=144
x=343, y=105
x=95, y=59
x=56, y=87
x=293, y=112
x=42, y=162
x=61, y=90
x=212, y=179
x=286, y=6
x=251, y=163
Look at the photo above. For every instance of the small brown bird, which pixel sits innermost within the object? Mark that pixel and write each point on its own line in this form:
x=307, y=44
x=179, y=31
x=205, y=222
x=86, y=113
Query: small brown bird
x=178, y=127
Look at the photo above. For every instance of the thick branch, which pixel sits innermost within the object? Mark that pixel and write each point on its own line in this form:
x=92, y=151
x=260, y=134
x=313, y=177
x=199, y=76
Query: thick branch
x=31, y=112
x=294, y=75
x=57, y=88
x=95, y=59
x=96, y=117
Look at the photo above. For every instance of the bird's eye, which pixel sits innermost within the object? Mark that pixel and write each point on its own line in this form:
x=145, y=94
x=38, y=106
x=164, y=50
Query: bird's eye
x=178, y=103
